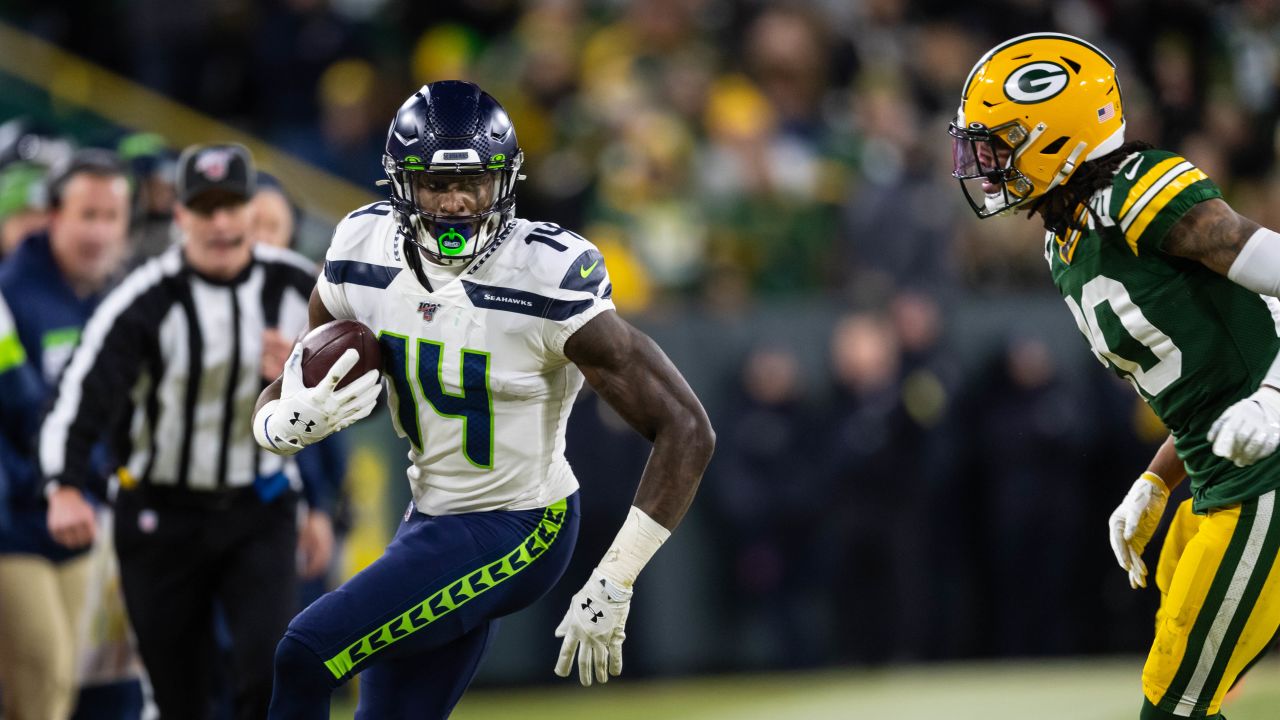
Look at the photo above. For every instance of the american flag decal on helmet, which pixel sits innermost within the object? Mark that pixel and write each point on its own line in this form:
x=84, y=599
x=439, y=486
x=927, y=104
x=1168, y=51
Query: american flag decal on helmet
x=1106, y=112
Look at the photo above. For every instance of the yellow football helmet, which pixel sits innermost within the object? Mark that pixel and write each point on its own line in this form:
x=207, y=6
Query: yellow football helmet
x=1034, y=108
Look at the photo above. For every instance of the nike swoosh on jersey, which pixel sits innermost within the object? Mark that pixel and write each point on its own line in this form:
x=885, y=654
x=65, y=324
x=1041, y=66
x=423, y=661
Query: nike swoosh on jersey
x=1132, y=172
x=585, y=271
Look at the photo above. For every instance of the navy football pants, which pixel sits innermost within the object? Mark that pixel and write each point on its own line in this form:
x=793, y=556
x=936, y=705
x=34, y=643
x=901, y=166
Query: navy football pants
x=417, y=621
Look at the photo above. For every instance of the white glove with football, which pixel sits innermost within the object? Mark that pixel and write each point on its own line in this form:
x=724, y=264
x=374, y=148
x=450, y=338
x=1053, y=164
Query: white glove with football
x=594, y=628
x=1249, y=430
x=1133, y=523
x=305, y=415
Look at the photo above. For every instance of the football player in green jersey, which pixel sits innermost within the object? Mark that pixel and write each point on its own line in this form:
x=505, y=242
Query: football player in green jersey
x=1175, y=292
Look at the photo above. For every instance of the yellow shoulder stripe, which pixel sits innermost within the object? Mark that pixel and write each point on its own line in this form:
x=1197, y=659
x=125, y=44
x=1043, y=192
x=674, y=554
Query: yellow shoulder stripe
x=1067, y=245
x=1153, y=208
x=1144, y=183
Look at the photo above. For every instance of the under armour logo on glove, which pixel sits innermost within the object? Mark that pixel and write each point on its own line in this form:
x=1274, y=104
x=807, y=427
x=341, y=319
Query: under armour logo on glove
x=308, y=423
x=328, y=408
x=594, y=633
x=595, y=614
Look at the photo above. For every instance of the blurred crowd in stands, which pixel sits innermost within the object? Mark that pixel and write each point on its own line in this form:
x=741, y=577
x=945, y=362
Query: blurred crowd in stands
x=718, y=149
x=725, y=155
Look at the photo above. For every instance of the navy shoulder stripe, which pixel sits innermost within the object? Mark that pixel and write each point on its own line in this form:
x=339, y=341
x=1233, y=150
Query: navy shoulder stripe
x=492, y=297
x=379, y=208
x=359, y=273
x=586, y=273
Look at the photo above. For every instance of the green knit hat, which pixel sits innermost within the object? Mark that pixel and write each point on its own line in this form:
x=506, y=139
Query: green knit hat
x=21, y=187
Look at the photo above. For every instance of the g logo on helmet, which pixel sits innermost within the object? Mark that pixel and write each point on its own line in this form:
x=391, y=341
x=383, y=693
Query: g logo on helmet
x=1035, y=82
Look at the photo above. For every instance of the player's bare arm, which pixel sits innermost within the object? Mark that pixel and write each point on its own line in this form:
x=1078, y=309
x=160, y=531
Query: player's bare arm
x=1249, y=255
x=637, y=379
x=1229, y=244
x=1235, y=246
x=317, y=315
x=289, y=415
x=1167, y=465
x=1212, y=234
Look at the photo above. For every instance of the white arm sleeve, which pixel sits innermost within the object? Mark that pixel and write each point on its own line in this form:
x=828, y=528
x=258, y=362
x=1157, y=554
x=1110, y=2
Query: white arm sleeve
x=1257, y=267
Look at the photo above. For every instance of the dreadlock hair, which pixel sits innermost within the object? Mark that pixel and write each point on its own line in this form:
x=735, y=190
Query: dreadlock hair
x=1057, y=208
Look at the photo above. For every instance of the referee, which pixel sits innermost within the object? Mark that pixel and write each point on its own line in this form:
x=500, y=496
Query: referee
x=168, y=369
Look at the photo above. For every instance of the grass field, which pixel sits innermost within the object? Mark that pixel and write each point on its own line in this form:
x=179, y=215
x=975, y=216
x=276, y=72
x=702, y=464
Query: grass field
x=1072, y=690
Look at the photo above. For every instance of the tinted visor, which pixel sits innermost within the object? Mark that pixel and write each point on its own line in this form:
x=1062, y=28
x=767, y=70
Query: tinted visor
x=480, y=185
x=983, y=163
x=980, y=153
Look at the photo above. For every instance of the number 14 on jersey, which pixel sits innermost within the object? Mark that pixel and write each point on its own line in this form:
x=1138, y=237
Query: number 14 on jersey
x=417, y=372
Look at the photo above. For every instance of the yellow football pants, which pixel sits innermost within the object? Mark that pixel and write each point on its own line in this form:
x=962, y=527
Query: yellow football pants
x=1220, y=608
x=1184, y=526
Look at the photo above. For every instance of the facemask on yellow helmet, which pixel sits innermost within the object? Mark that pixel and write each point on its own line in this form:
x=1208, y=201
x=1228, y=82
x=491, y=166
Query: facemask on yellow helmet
x=1034, y=109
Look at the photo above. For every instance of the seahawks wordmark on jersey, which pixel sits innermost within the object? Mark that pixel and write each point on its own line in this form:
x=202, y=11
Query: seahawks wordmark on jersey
x=1188, y=339
x=478, y=379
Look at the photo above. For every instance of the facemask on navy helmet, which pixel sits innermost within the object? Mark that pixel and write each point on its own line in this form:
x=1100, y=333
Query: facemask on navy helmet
x=452, y=137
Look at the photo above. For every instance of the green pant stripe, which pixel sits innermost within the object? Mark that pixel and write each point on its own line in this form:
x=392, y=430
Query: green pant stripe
x=1228, y=595
x=1210, y=609
x=12, y=353
x=1259, y=569
x=454, y=595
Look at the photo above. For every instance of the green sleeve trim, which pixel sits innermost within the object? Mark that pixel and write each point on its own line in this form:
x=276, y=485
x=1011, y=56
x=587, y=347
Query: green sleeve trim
x=60, y=337
x=12, y=354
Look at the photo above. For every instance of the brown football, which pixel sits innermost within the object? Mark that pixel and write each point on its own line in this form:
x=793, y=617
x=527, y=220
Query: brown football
x=324, y=345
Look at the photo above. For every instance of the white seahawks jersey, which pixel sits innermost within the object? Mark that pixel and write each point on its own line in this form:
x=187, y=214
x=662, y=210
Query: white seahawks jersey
x=478, y=379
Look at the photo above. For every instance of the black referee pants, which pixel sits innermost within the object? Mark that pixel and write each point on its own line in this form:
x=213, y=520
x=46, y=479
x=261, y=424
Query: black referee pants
x=176, y=560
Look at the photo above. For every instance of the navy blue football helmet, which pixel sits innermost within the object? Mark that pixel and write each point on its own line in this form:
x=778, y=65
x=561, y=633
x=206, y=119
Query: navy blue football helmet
x=451, y=128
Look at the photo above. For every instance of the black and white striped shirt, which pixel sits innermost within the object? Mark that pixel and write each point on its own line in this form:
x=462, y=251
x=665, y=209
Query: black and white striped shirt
x=169, y=366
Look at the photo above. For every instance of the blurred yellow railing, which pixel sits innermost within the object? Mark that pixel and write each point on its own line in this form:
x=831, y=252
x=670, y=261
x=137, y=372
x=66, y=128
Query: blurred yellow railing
x=78, y=82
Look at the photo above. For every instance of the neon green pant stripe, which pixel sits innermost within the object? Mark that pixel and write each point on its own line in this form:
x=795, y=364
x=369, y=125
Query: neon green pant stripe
x=12, y=354
x=453, y=595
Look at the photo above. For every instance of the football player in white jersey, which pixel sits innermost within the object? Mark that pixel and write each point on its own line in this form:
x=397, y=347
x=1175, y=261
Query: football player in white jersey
x=488, y=324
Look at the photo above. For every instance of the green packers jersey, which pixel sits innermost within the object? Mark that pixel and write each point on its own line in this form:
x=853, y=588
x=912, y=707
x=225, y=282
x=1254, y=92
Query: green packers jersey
x=1189, y=340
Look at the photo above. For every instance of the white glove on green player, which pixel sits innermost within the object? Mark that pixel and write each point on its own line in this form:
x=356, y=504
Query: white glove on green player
x=1249, y=430
x=1133, y=523
x=594, y=627
x=306, y=415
